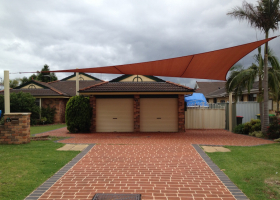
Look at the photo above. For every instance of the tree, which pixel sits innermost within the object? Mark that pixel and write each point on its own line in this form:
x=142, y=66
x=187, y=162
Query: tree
x=241, y=79
x=46, y=76
x=24, y=80
x=13, y=82
x=265, y=17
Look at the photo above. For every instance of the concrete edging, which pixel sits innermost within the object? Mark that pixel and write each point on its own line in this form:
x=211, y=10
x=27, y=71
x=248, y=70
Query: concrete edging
x=235, y=191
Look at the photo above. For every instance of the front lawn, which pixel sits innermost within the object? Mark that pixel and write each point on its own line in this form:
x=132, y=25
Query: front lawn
x=41, y=129
x=255, y=170
x=25, y=167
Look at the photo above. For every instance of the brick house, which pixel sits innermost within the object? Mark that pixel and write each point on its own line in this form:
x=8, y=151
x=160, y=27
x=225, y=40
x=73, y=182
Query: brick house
x=56, y=93
x=135, y=103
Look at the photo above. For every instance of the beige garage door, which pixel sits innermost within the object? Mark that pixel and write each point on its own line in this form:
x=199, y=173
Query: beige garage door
x=159, y=114
x=114, y=115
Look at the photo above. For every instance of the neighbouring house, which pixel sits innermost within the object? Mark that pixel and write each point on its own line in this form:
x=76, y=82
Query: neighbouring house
x=136, y=103
x=215, y=92
x=56, y=93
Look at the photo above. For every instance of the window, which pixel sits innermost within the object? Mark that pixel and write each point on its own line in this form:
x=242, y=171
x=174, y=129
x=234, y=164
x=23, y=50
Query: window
x=215, y=100
x=222, y=101
x=252, y=97
x=37, y=101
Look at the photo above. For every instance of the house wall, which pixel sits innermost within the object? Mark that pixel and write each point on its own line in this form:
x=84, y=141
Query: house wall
x=181, y=113
x=136, y=113
x=222, y=99
x=226, y=99
x=59, y=104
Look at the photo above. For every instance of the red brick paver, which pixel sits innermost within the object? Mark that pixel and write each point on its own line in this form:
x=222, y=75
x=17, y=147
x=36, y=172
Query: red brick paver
x=156, y=165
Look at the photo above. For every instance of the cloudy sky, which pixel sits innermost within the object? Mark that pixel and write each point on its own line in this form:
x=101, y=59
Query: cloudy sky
x=69, y=34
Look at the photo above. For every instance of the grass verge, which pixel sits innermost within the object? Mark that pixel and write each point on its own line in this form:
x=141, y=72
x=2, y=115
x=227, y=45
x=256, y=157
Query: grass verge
x=255, y=170
x=25, y=167
x=41, y=129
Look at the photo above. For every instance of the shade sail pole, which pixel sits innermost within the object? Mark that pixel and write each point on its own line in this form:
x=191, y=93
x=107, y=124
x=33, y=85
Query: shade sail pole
x=7, y=92
x=77, y=83
x=230, y=112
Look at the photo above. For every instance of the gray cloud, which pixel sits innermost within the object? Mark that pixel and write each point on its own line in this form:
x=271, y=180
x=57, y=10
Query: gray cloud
x=70, y=34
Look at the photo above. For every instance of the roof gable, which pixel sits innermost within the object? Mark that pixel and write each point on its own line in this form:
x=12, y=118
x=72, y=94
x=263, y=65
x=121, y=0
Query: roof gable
x=137, y=78
x=31, y=85
x=82, y=77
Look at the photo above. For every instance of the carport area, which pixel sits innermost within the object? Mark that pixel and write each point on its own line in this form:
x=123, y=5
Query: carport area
x=155, y=165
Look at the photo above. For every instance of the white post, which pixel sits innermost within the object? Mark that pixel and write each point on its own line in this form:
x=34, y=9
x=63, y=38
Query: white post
x=230, y=111
x=7, y=92
x=77, y=83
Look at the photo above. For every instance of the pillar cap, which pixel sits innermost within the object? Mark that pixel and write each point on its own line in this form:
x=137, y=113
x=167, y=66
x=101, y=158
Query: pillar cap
x=9, y=114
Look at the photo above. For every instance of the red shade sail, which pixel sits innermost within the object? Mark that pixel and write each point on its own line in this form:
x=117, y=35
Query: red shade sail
x=210, y=65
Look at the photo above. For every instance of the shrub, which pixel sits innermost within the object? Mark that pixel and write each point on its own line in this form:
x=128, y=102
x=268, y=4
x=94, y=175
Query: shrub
x=48, y=113
x=239, y=129
x=2, y=121
x=277, y=140
x=253, y=125
x=22, y=102
x=43, y=120
x=78, y=114
x=273, y=130
x=257, y=134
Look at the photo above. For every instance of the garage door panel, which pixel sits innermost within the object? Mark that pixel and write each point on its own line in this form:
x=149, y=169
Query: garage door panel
x=114, y=115
x=159, y=115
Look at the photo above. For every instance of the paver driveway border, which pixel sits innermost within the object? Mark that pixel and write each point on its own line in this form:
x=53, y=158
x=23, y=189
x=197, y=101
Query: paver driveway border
x=49, y=183
x=235, y=191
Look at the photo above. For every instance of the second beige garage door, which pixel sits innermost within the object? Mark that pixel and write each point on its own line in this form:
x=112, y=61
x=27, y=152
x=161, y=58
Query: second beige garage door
x=114, y=115
x=159, y=115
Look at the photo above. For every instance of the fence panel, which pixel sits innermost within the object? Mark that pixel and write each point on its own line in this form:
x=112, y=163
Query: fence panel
x=248, y=110
x=205, y=118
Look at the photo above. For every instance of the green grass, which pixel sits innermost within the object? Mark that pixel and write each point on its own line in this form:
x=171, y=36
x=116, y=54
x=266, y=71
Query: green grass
x=25, y=167
x=41, y=129
x=255, y=170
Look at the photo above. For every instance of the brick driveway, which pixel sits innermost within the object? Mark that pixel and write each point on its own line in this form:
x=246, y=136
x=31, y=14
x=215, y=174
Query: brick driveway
x=156, y=165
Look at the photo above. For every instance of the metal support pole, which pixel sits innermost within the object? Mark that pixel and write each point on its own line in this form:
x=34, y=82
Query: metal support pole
x=7, y=92
x=230, y=111
x=77, y=84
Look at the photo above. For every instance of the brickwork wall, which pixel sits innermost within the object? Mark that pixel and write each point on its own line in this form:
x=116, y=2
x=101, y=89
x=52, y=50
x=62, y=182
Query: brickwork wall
x=59, y=104
x=136, y=113
x=181, y=113
x=17, y=131
x=92, y=101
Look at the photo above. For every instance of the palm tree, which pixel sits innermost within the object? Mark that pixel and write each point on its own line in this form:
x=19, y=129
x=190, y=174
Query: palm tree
x=241, y=79
x=265, y=17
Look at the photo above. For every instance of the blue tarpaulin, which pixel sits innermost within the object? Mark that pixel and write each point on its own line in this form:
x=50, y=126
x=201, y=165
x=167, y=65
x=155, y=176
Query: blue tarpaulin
x=196, y=100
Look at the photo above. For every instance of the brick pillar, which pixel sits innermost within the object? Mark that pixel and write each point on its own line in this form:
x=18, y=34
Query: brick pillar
x=181, y=113
x=16, y=129
x=136, y=114
x=92, y=101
